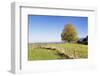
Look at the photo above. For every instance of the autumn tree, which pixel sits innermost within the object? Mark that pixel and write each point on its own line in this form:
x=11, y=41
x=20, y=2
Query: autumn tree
x=69, y=33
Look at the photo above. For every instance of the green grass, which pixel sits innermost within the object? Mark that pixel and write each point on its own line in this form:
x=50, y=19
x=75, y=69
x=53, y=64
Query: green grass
x=43, y=54
x=74, y=51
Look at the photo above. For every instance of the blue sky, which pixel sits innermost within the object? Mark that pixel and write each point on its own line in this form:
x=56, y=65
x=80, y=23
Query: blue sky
x=49, y=28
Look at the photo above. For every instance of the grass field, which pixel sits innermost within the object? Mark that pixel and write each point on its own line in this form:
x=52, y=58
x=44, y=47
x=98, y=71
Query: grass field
x=57, y=51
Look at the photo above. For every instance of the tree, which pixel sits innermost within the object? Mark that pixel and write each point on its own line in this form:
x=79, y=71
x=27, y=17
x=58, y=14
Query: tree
x=69, y=33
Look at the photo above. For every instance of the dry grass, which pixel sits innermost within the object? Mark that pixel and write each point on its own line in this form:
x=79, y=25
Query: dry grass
x=57, y=51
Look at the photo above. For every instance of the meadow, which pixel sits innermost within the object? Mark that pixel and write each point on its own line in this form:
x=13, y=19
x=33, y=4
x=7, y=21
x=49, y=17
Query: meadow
x=55, y=51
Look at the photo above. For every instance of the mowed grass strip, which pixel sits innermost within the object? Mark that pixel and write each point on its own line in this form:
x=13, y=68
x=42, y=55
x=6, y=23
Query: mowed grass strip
x=70, y=49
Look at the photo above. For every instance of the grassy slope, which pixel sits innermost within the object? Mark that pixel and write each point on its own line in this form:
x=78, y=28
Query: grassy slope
x=46, y=54
x=43, y=54
x=79, y=49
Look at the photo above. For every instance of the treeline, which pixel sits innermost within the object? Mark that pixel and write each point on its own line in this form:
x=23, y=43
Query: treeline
x=83, y=40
